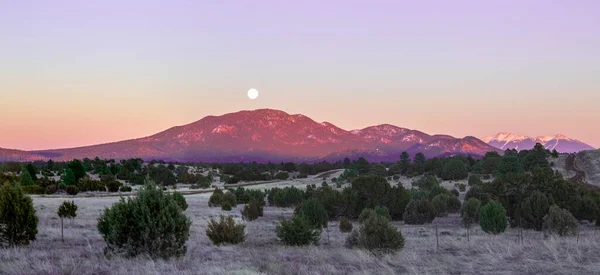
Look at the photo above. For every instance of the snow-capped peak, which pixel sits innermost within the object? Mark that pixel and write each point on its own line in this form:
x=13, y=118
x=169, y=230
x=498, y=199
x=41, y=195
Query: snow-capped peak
x=505, y=137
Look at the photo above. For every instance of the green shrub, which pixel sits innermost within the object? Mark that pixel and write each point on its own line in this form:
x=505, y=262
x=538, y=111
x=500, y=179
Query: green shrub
x=419, y=212
x=113, y=186
x=226, y=231
x=51, y=189
x=229, y=198
x=66, y=210
x=252, y=210
x=440, y=203
x=454, y=192
x=152, y=223
x=560, y=221
x=33, y=190
x=469, y=212
x=474, y=180
x=18, y=222
x=297, y=232
x=377, y=234
x=72, y=190
x=492, y=218
x=215, y=198
x=314, y=212
x=533, y=210
x=225, y=206
x=453, y=204
x=282, y=176
x=462, y=187
x=178, y=197
x=125, y=189
x=345, y=225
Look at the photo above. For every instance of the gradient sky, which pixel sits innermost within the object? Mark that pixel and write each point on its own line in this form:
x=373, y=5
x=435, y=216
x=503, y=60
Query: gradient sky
x=77, y=73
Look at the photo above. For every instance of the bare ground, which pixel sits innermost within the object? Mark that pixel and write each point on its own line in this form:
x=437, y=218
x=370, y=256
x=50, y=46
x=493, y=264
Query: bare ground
x=81, y=253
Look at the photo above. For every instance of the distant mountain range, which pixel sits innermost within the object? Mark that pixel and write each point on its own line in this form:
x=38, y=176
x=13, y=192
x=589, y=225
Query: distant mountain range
x=267, y=135
x=561, y=143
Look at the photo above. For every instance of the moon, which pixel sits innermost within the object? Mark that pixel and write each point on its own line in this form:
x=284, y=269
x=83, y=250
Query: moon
x=252, y=93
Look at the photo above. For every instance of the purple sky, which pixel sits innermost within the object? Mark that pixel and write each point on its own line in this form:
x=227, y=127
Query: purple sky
x=83, y=72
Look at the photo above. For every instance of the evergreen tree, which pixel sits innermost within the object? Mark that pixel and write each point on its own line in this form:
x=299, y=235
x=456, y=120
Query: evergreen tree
x=25, y=178
x=69, y=177
x=18, y=222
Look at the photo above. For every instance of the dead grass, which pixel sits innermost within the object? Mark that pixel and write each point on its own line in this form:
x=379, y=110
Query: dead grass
x=82, y=252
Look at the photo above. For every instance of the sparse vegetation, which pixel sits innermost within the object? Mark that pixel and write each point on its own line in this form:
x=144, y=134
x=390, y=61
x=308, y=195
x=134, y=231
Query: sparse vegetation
x=560, y=221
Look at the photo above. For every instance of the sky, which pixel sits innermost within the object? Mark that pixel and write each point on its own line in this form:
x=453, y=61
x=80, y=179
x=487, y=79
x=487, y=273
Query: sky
x=76, y=73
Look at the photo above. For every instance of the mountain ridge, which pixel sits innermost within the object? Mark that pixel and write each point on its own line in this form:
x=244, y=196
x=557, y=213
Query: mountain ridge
x=560, y=142
x=268, y=134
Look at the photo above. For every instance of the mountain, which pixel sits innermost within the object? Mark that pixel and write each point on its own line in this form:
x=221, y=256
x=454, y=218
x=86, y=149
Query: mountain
x=272, y=135
x=561, y=143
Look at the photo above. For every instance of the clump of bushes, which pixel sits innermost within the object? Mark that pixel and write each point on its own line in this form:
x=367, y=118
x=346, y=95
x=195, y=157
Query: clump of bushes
x=18, y=222
x=345, y=225
x=125, y=189
x=152, y=223
x=419, y=211
x=229, y=198
x=560, y=221
x=282, y=176
x=492, y=218
x=226, y=231
x=297, y=232
x=453, y=204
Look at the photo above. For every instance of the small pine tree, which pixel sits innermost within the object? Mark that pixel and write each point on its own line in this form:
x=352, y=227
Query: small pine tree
x=297, y=232
x=226, y=231
x=314, y=212
x=18, y=222
x=492, y=218
x=66, y=210
x=560, y=221
x=69, y=178
x=25, y=178
x=469, y=212
x=345, y=225
x=378, y=235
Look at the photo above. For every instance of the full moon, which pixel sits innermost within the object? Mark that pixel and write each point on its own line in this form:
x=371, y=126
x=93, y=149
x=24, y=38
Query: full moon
x=252, y=93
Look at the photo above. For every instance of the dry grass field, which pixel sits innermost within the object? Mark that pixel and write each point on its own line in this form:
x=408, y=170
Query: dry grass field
x=82, y=251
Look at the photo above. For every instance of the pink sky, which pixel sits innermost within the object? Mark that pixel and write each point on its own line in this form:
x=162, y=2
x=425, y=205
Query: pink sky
x=70, y=77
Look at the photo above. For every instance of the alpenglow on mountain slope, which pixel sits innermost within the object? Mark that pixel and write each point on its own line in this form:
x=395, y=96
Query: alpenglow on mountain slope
x=268, y=135
x=561, y=143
